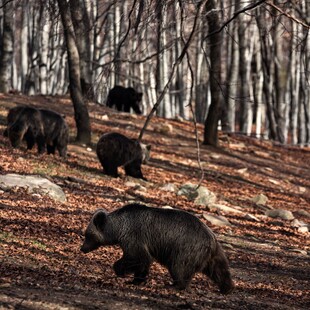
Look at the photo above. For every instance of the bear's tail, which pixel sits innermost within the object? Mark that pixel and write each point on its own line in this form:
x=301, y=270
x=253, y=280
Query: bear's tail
x=218, y=270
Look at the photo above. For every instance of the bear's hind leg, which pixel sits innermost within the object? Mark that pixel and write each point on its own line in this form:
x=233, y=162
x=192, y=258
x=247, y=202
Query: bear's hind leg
x=181, y=276
x=218, y=270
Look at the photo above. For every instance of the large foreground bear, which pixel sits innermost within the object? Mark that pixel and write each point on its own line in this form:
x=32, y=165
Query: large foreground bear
x=176, y=239
x=45, y=128
x=115, y=150
x=124, y=99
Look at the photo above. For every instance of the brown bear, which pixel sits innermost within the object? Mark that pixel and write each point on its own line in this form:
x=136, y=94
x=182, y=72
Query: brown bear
x=115, y=150
x=26, y=123
x=45, y=128
x=56, y=132
x=176, y=239
x=124, y=99
x=11, y=117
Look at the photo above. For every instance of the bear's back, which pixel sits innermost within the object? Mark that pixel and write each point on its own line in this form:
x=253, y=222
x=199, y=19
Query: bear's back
x=164, y=226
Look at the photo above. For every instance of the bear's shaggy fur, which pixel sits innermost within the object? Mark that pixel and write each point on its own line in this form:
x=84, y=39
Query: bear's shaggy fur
x=11, y=117
x=45, y=128
x=26, y=123
x=174, y=238
x=124, y=99
x=56, y=132
x=115, y=150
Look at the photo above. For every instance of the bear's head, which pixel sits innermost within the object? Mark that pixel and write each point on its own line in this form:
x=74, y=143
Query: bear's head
x=94, y=234
x=146, y=150
x=16, y=133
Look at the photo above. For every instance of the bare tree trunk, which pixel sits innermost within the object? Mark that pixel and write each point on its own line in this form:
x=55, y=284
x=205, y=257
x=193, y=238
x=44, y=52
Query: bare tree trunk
x=6, y=48
x=44, y=47
x=268, y=69
x=24, y=45
x=179, y=83
x=211, y=123
x=295, y=69
x=162, y=59
x=233, y=76
x=80, y=108
x=82, y=27
x=259, y=79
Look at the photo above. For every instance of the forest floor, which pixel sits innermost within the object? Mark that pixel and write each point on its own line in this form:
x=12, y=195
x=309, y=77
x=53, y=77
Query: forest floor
x=41, y=266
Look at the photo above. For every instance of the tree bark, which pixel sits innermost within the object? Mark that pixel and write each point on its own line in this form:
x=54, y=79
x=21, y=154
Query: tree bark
x=80, y=108
x=211, y=123
x=6, y=48
x=82, y=28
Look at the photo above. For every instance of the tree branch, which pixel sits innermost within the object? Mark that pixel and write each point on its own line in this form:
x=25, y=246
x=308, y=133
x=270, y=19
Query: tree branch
x=245, y=9
x=177, y=62
x=288, y=15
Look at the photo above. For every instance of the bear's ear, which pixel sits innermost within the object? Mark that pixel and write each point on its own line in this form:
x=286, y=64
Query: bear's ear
x=100, y=219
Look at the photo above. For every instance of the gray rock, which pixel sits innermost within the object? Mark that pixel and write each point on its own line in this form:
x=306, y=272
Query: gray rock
x=280, y=213
x=216, y=220
x=297, y=223
x=33, y=184
x=169, y=187
x=303, y=229
x=164, y=128
x=223, y=208
x=303, y=213
x=260, y=199
x=303, y=252
x=251, y=217
x=200, y=196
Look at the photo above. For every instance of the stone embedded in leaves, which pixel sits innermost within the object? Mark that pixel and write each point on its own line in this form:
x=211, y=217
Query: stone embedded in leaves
x=200, y=196
x=33, y=184
x=280, y=213
x=223, y=208
x=260, y=199
x=216, y=220
x=168, y=187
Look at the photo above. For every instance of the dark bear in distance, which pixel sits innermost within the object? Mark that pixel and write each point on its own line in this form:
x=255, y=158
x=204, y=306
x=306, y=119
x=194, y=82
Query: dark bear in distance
x=26, y=123
x=174, y=238
x=124, y=99
x=56, y=132
x=45, y=128
x=115, y=150
x=11, y=117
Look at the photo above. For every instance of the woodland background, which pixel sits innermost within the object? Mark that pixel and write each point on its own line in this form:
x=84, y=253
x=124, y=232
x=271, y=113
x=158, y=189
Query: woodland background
x=241, y=64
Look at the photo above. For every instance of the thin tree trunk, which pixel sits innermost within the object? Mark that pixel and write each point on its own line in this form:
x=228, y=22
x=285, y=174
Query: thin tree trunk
x=233, y=76
x=82, y=28
x=211, y=123
x=6, y=48
x=80, y=108
x=44, y=36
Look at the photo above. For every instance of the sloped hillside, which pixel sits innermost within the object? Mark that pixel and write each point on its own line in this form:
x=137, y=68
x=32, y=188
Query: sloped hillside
x=41, y=266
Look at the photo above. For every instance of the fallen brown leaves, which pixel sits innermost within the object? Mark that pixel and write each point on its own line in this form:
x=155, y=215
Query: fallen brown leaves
x=41, y=266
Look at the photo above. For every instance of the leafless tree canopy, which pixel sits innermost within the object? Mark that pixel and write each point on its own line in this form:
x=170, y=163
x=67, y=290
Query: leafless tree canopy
x=246, y=68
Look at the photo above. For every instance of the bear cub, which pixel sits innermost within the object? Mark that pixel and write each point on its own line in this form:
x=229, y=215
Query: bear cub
x=174, y=238
x=45, y=128
x=115, y=150
x=124, y=99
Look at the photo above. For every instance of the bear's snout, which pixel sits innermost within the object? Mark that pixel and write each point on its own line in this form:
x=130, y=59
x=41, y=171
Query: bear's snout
x=84, y=249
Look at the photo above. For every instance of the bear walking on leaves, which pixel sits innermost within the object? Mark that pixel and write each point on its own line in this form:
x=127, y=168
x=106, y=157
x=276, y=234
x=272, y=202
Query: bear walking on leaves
x=46, y=128
x=115, y=150
x=174, y=238
x=124, y=99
